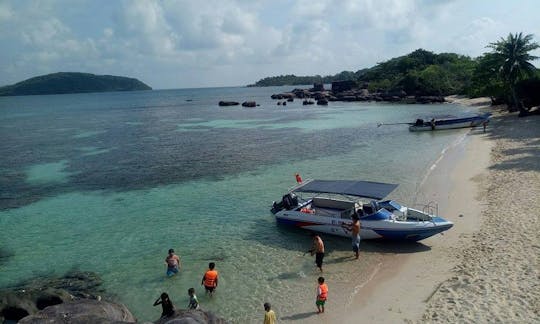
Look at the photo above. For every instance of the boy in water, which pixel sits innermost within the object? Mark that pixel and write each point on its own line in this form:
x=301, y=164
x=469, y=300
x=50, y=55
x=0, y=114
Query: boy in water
x=322, y=294
x=193, y=301
x=166, y=305
x=173, y=263
x=210, y=279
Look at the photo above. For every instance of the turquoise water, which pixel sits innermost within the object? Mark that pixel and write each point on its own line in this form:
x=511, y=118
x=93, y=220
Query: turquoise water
x=109, y=182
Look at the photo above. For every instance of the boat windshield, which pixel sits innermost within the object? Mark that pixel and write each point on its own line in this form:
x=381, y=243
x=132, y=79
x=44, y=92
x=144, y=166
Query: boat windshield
x=390, y=205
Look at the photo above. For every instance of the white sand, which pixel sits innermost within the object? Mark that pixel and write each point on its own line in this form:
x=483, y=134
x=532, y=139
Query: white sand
x=485, y=269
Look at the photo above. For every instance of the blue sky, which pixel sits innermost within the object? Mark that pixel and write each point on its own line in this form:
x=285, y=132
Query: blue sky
x=183, y=44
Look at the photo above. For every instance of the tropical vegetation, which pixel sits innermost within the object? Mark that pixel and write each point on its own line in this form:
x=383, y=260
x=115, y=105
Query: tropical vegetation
x=505, y=74
x=72, y=82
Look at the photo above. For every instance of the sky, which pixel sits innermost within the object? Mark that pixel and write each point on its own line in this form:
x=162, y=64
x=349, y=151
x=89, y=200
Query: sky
x=172, y=44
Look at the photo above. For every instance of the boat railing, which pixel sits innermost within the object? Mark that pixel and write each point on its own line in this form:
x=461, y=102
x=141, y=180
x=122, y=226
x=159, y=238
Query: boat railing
x=431, y=208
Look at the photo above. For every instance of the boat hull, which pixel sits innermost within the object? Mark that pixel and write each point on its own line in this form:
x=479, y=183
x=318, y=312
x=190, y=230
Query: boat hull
x=451, y=124
x=388, y=229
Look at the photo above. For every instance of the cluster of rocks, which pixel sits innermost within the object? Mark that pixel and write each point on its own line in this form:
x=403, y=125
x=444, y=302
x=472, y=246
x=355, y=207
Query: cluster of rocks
x=348, y=91
x=249, y=104
x=76, y=298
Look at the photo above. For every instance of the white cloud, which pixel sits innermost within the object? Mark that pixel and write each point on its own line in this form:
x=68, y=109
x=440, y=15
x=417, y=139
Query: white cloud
x=180, y=43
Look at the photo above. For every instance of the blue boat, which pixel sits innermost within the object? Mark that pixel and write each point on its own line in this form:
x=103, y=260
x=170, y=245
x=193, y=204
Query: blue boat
x=450, y=123
x=325, y=205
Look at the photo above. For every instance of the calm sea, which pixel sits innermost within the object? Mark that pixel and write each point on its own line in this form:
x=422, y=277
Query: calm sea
x=108, y=182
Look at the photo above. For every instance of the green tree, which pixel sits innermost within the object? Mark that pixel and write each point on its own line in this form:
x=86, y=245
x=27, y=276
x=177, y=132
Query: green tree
x=512, y=57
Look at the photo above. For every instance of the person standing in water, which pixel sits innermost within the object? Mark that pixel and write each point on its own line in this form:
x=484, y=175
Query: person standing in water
x=318, y=249
x=210, y=279
x=166, y=305
x=354, y=228
x=269, y=315
x=193, y=301
x=173, y=263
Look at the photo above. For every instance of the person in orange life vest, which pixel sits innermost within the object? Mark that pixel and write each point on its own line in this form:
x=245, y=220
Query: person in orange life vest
x=322, y=295
x=210, y=279
x=298, y=178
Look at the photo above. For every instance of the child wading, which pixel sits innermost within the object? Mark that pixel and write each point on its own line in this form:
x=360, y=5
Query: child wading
x=193, y=301
x=322, y=294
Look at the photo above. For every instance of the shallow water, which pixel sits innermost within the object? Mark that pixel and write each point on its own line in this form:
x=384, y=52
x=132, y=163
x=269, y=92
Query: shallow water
x=108, y=182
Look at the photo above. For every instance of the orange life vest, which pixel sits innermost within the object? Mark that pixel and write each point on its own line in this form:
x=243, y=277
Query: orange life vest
x=210, y=278
x=324, y=292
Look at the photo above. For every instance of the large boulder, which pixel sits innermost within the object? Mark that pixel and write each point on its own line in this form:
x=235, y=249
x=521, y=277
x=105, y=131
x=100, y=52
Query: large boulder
x=249, y=104
x=340, y=86
x=318, y=87
x=31, y=296
x=83, y=311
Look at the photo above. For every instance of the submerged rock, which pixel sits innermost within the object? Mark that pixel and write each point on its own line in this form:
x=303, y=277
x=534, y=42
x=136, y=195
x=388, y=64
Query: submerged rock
x=82, y=311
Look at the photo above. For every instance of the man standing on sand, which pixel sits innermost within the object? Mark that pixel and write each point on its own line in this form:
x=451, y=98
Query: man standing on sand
x=173, y=263
x=318, y=249
x=269, y=315
x=354, y=228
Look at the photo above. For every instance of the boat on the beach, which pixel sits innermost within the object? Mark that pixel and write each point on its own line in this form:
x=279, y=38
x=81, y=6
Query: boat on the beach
x=449, y=123
x=330, y=203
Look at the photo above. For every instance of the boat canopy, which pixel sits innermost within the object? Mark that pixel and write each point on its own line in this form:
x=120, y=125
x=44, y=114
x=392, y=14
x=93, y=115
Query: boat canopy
x=358, y=188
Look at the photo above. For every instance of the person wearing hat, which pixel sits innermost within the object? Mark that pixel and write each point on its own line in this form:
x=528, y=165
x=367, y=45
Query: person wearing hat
x=173, y=263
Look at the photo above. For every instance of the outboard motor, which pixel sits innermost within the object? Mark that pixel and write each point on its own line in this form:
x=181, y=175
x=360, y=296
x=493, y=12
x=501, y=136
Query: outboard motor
x=288, y=202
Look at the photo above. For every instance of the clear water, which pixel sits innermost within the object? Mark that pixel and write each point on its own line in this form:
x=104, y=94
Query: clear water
x=109, y=182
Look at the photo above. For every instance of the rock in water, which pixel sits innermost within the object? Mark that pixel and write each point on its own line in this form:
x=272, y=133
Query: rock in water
x=82, y=311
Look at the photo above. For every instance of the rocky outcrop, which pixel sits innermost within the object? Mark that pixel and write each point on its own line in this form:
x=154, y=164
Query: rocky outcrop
x=340, y=86
x=358, y=94
x=76, y=298
x=31, y=296
x=228, y=103
x=84, y=311
x=249, y=104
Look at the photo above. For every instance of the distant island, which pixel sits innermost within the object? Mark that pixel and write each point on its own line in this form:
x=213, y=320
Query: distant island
x=72, y=82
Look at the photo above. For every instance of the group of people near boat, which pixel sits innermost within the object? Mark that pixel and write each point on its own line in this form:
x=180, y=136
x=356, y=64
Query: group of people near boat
x=210, y=277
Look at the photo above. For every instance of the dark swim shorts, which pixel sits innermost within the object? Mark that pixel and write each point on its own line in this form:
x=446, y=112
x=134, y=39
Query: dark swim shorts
x=319, y=259
x=209, y=289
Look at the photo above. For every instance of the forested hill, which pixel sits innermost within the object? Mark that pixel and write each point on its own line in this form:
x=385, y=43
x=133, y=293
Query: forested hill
x=72, y=82
x=420, y=72
x=292, y=79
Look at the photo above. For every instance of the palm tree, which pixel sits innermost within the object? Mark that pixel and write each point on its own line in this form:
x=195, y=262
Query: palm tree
x=512, y=56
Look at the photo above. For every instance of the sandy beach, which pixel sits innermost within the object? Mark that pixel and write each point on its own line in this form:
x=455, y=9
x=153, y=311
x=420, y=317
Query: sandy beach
x=486, y=268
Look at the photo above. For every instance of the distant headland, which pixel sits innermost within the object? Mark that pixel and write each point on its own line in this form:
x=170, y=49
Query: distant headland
x=72, y=82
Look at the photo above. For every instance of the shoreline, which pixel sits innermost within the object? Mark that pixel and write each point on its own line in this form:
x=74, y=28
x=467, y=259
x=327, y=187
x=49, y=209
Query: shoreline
x=436, y=285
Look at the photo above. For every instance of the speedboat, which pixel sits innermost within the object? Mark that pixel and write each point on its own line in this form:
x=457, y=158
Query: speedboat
x=449, y=123
x=325, y=205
